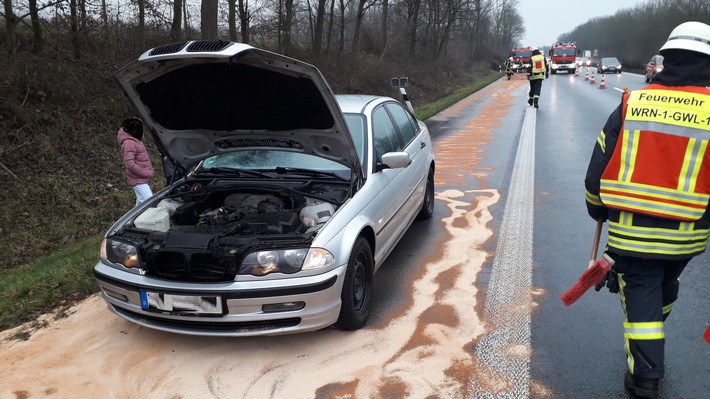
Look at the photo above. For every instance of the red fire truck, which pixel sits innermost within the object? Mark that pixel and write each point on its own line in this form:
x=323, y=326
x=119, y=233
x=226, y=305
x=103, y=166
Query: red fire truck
x=563, y=57
x=521, y=58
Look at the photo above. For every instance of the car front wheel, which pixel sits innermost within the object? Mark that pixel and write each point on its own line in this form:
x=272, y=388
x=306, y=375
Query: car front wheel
x=357, y=287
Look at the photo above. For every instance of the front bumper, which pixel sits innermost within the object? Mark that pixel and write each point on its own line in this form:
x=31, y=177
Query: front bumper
x=564, y=67
x=242, y=303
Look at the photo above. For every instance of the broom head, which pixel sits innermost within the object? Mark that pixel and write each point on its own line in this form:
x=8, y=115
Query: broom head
x=591, y=277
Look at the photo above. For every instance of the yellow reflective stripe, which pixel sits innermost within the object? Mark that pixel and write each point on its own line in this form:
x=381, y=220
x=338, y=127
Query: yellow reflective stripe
x=601, y=140
x=693, y=156
x=644, y=331
x=629, y=149
x=593, y=199
x=660, y=192
x=648, y=206
x=684, y=241
x=681, y=234
x=622, y=297
x=655, y=247
x=667, y=309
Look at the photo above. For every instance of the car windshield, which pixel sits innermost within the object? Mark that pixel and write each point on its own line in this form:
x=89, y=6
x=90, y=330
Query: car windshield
x=356, y=126
x=267, y=160
x=522, y=53
x=610, y=61
x=563, y=52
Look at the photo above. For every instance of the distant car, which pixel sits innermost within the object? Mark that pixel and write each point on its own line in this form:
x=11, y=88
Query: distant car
x=294, y=199
x=654, y=66
x=609, y=65
x=583, y=61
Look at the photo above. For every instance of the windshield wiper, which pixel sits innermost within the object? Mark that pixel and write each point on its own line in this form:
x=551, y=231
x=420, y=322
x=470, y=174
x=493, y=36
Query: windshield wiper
x=231, y=171
x=310, y=172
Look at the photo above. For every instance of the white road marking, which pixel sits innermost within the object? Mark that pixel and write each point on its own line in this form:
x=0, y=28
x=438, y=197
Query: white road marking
x=504, y=351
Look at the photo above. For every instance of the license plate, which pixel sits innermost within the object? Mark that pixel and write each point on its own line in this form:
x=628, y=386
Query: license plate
x=181, y=304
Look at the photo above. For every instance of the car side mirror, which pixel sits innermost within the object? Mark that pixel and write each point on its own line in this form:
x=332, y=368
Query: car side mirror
x=394, y=160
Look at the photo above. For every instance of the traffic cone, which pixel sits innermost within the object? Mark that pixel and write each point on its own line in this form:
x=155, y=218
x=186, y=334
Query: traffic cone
x=591, y=79
x=602, y=85
x=586, y=74
x=576, y=71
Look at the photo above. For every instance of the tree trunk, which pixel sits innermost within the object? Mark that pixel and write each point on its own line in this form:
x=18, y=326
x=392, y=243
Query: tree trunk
x=329, y=34
x=413, y=7
x=38, y=44
x=355, y=47
x=208, y=19
x=104, y=13
x=175, y=31
x=341, y=41
x=383, y=38
x=232, y=19
x=141, y=24
x=74, y=29
x=11, y=21
x=288, y=23
x=244, y=17
x=318, y=32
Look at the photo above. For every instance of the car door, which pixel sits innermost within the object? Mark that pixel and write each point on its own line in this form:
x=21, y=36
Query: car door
x=415, y=146
x=393, y=183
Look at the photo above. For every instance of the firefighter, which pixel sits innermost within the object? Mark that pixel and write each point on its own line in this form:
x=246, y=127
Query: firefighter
x=537, y=71
x=509, y=67
x=649, y=175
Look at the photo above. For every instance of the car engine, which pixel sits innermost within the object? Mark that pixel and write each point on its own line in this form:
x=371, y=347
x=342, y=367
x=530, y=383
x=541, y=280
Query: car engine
x=201, y=233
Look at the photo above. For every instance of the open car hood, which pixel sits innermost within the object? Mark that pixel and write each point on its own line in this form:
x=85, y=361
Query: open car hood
x=203, y=98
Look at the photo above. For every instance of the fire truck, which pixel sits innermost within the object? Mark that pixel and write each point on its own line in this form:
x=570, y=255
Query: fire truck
x=563, y=57
x=521, y=58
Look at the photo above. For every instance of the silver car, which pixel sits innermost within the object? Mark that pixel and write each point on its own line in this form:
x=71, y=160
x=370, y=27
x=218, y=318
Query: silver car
x=293, y=200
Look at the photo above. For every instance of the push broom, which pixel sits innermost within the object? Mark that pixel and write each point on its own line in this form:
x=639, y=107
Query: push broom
x=594, y=273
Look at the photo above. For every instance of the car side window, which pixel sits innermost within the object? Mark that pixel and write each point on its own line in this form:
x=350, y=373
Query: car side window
x=404, y=121
x=384, y=133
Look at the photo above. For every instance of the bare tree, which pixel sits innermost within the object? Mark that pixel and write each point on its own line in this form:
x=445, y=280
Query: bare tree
x=38, y=44
x=232, y=19
x=318, y=30
x=244, y=18
x=175, y=31
x=208, y=19
x=413, y=7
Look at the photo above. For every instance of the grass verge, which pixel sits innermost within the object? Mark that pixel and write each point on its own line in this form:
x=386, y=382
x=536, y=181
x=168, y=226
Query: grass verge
x=57, y=281
x=428, y=110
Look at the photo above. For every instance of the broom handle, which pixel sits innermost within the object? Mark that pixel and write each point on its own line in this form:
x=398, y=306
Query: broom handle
x=597, y=236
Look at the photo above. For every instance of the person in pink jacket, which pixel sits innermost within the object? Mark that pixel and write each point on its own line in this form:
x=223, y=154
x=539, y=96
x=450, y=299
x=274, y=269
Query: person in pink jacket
x=139, y=170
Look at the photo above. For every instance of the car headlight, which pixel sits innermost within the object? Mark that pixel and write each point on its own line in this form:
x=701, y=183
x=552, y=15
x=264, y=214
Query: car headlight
x=287, y=261
x=120, y=252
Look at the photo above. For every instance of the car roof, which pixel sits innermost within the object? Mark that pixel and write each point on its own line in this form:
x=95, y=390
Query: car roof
x=356, y=103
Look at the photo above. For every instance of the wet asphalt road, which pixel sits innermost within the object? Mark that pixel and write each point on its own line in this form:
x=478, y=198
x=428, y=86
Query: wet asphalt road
x=576, y=351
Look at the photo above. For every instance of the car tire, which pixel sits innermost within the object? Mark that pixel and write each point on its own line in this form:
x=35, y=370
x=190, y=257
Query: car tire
x=357, y=287
x=428, y=205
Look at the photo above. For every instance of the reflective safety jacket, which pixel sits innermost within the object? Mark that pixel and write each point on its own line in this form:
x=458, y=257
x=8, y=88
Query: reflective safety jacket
x=538, y=67
x=653, y=173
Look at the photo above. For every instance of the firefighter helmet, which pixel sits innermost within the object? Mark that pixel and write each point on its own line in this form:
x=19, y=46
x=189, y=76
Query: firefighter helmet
x=693, y=36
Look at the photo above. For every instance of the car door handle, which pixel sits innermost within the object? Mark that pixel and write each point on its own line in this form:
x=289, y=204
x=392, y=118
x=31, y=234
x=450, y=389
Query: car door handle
x=422, y=144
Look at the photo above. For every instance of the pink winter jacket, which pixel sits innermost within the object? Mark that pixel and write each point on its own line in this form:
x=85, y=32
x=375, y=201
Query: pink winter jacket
x=139, y=170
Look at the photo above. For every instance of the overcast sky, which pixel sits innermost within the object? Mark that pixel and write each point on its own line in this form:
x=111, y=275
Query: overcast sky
x=547, y=19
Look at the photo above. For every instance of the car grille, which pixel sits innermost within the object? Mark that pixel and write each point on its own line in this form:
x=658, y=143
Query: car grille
x=208, y=45
x=196, y=267
x=168, y=48
x=209, y=326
